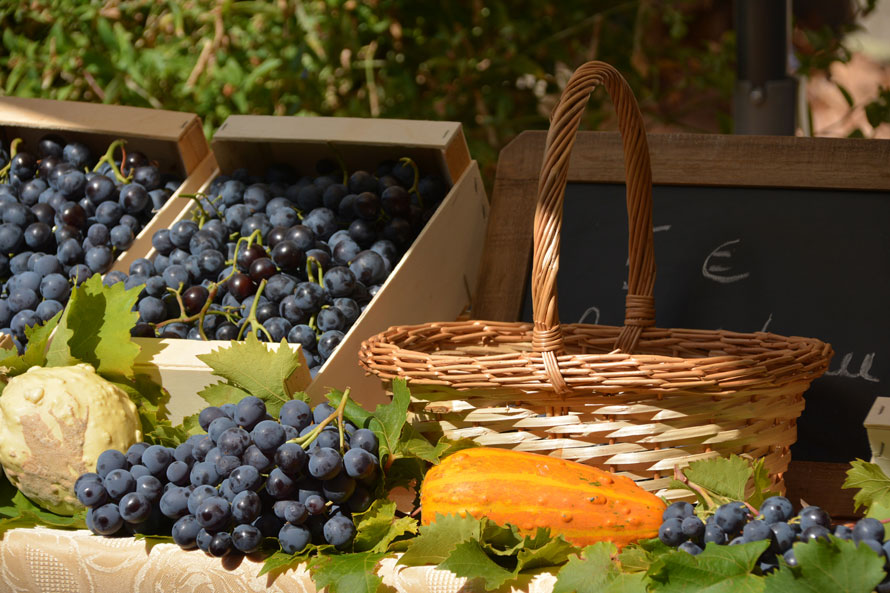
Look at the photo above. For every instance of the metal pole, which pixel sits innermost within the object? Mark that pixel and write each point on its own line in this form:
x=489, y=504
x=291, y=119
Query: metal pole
x=765, y=94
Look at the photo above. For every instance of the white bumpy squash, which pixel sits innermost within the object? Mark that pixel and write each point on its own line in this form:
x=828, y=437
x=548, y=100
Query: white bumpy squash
x=54, y=423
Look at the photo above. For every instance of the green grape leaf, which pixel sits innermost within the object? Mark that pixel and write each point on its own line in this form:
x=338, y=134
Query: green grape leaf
x=594, y=571
x=446, y=447
x=643, y=555
x=838, y=566
x=555, y=551
x=35, y=352
x=469, y=560
x=413, y=444
x=873, y=484
x=352, y=412
x=281, y=561
x=222, y=393
x=19, y=511
x=436, y=540
x=58, y=353
x=724, y=476
x=718, y=569
x=378, y=527
x=97, y=321
x=348, y=573
x=252, y=367
x=152, y=540
x=38, y=338
x=389, y=419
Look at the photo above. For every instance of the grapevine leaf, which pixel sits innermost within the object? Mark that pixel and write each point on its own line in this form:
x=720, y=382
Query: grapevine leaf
x=38, y=338
x=594, y=572
x=554, y=552
x=414, y=444
x=717, y=569
x=873, y=484
x=725, y=477
x=347, y=573
x=446, y=446
x=503, y=540
x=13, y=364
x=59, y=353
x=24, y=513
x=98, y=321
x=837, y=565
x=153, y=540
x=222, y=393
x=761, y=482
x=406, y=472
x=643, y=556
x=469, y=560
x=282, y=561
x=191, y=425
x=389, y=419
x=879, y=511
x=352, y=412
x=377, y=527
x=250, y=366
x=436, y=540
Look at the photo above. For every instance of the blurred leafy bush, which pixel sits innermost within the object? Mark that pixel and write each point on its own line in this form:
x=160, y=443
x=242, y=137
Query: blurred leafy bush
x=497, y=67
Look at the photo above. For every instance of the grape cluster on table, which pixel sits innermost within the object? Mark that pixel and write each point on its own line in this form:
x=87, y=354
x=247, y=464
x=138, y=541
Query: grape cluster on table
x=735, y=523
x=300, y=256
x=242, y=481
x=61, y=221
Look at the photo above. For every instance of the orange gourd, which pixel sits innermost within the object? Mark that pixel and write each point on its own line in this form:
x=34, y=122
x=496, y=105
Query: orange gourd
x=582, y=503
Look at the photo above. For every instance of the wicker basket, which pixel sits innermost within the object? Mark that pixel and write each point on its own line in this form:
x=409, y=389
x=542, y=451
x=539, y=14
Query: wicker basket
x=634, y=399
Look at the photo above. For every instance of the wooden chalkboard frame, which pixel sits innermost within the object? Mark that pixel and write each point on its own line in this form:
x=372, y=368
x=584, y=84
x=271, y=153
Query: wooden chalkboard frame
x=677, y=159
x=683, y=160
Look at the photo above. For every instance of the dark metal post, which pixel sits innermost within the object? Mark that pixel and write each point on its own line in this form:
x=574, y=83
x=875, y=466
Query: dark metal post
x=765, y=93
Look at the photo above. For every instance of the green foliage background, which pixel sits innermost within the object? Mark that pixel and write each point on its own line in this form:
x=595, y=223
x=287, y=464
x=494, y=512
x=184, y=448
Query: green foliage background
x=497, y=67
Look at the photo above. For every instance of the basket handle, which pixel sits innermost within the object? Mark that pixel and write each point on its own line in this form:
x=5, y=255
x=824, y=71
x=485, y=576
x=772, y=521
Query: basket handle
x=640, y=304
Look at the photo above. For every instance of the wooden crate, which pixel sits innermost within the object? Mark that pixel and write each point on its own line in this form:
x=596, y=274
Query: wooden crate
x=435, y=277
x=175, y=365
x=175, y=140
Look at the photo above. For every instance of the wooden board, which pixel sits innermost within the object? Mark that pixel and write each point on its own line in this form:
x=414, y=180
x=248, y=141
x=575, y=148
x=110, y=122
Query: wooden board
x=810, y=218
x=434, y=145
x=435, y=278
x=174, y=139
x=677, y=159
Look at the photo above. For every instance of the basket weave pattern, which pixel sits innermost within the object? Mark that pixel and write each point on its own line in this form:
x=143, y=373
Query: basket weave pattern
x=636, y=399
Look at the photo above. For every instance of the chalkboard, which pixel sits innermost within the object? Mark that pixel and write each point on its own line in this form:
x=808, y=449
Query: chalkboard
x=789, y=235
x=794, y=262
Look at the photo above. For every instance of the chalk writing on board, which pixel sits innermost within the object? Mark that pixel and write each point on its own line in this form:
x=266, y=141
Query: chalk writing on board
x=656, y=229
x=595, y=311
x=864, y=368
x=767, y=322
x=713, y=270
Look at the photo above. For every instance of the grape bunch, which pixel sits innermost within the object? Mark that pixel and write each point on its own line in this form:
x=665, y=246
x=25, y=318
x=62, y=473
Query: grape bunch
x=735, y=523
x=65, y=216
x=285, y=257
x=298, y=479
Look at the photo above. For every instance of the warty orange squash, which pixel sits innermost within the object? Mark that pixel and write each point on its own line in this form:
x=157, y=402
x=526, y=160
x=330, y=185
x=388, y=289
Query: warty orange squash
x=582, y=503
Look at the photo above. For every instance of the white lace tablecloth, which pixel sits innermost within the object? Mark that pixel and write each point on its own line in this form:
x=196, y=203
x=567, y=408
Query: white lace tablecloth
x=43, y=560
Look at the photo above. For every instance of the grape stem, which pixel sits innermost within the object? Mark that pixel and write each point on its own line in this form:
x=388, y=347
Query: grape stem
x=413, y=189
x=251, y=317
x=306, y=440
x=199, y=316
x=13, y=150
x=309, y=262
x=203, y=216
x=108, y=157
